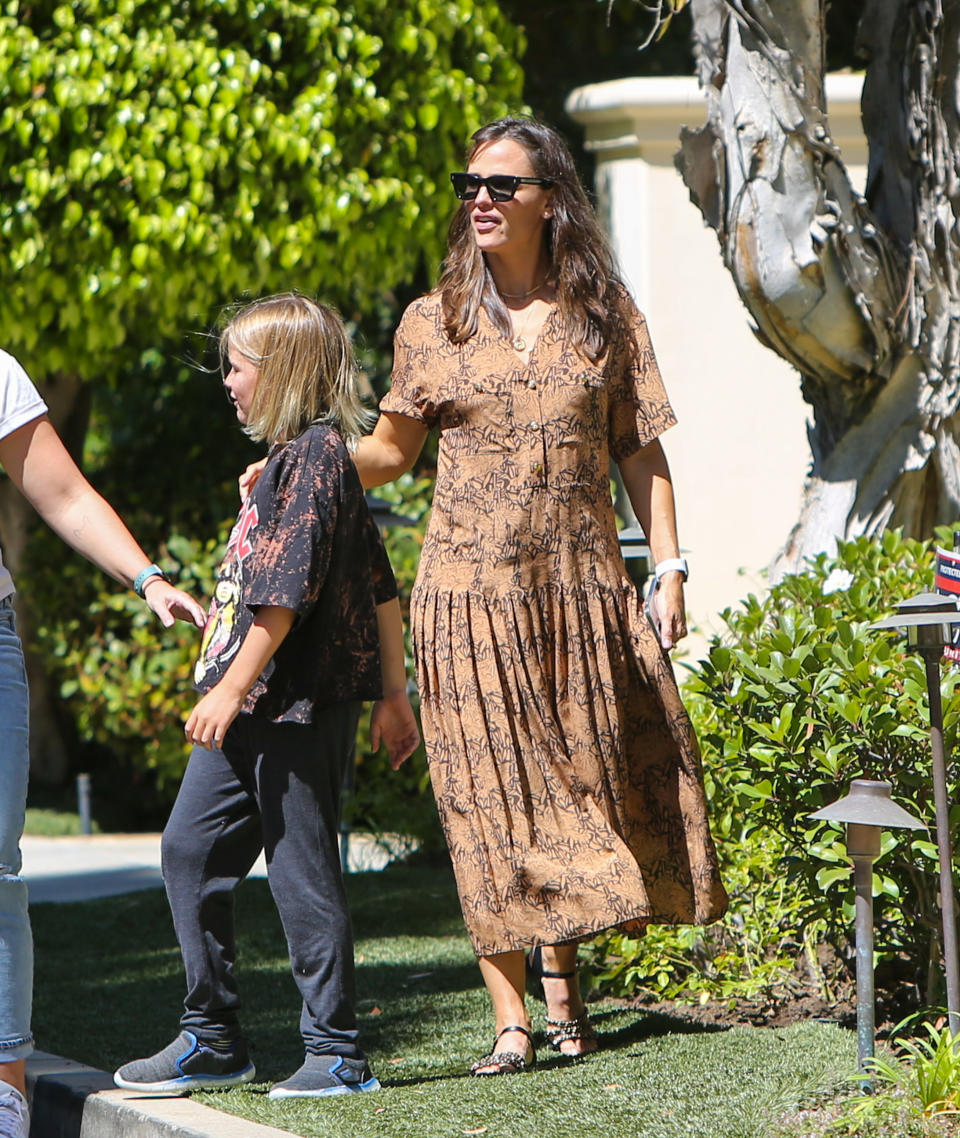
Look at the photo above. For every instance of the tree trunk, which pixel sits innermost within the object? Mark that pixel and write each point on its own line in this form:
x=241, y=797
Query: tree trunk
x=69, y=403
x=859, y=293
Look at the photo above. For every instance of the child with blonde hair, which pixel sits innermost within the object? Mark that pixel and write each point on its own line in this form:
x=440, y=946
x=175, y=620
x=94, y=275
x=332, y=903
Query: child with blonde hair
x=304, y=626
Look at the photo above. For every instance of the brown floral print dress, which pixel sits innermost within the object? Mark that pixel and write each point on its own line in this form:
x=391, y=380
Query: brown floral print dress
x=565, y=768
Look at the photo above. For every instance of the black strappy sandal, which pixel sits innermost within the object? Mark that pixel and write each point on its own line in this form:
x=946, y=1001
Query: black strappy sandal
x=558, y=1030
x=536, y=973
x=506, y=1062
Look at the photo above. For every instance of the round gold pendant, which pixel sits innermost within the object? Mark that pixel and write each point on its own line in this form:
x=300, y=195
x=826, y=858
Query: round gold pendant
x=519, y=344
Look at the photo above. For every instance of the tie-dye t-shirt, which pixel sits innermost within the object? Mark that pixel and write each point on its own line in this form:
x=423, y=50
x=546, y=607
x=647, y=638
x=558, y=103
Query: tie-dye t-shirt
x=304, y=540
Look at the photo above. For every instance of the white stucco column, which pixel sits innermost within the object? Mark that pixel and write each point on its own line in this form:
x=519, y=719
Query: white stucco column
x=739, y=453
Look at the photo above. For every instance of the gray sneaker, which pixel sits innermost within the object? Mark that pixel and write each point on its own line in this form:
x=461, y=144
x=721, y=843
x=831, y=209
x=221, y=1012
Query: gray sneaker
x=14, y=1115
x=323, y=1075
x=188, y=1065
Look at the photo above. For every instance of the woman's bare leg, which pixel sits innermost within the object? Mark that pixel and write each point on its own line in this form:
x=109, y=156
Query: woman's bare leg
x=562, y=995
x=504, y=976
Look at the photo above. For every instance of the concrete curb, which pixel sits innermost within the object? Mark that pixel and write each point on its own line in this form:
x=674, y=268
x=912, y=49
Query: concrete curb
x=69, y=1100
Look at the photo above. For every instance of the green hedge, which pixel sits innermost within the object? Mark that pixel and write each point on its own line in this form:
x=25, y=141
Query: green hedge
x=794, y=700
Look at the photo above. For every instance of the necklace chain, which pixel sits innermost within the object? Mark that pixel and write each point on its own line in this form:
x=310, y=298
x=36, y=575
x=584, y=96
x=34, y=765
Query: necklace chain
x=519, y=343
x=523, y=295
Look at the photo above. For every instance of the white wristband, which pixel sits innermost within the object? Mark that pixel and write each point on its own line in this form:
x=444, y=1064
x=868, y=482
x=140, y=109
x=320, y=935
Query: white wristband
x=670, y=565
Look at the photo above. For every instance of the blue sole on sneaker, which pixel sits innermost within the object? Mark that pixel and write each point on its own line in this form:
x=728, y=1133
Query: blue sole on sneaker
x=326, y=1092
x=187, y=1083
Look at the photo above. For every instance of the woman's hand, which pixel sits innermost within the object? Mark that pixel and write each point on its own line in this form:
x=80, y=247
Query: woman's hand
x=393, y=724
x=646, y=477
x=247, y=480
x=668, y=598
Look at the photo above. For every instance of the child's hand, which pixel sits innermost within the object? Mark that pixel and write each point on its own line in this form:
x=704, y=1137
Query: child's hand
x=248, y=479
x=393, y=724
x=212, y=716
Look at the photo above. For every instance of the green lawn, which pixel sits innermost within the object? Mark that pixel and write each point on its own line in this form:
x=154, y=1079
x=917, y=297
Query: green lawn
x=53, y=823
x=109, y=988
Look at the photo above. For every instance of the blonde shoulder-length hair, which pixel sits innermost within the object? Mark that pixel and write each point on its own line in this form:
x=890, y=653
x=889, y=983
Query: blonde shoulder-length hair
x=307, y=370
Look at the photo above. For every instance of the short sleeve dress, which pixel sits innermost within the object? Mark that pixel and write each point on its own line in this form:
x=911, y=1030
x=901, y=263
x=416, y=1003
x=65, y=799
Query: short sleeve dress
x=566, y=771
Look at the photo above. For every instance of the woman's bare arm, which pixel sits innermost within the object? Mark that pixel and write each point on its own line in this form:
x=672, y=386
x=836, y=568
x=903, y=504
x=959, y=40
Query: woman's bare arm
x=646, y=477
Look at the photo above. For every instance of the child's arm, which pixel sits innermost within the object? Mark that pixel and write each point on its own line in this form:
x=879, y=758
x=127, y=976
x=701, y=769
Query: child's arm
x=215, y=712
x=392, y=721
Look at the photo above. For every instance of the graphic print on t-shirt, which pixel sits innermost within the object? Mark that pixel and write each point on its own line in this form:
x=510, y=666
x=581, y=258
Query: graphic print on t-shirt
x=222, y=634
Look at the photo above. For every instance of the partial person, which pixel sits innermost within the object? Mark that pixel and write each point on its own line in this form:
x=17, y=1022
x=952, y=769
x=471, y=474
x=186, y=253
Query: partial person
x=566, y=771
x=304, y=626
x=34, y=457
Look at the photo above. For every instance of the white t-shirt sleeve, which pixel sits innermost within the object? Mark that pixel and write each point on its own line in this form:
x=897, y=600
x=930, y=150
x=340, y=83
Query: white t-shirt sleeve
x=20, y=402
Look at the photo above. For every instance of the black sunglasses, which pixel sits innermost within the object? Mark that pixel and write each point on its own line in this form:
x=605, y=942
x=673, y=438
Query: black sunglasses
x=500, y=187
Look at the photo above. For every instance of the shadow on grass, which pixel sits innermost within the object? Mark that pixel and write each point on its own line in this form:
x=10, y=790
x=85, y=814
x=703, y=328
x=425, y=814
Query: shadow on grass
x=648, y=1025
x=110, y=981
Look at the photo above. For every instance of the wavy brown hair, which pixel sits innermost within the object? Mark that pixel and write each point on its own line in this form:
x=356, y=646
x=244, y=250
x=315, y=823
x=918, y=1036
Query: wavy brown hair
x=590, y=293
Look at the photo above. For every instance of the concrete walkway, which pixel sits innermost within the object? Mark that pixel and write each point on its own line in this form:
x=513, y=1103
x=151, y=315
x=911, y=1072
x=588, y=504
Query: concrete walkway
x=85, y=867
x=69, y=1100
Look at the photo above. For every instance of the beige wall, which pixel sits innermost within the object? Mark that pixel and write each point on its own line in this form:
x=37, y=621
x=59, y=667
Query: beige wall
x=739, y=452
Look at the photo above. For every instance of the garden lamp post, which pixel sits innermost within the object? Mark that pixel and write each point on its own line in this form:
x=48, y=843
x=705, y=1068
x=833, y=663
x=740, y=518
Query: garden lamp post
x=927, y=620
x=866, y=810
x=636, y=554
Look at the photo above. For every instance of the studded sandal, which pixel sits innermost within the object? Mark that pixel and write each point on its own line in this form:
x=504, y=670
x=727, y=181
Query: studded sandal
x=559, y=1030
x=536, y=973
x=506, y=1062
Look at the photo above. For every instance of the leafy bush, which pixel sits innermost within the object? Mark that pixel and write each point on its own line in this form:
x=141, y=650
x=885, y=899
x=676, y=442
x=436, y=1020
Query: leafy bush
x=801, y=697
x=385, y=801
x=929, y=1068
x=124, y=679
x=797, y=698
x=752, y=953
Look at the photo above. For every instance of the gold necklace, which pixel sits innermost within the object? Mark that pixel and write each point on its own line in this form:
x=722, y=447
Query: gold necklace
x=519, y=343
x=523, y=295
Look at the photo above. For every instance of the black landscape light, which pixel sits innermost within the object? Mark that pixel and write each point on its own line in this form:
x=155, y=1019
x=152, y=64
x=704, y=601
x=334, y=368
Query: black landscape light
x=928, y=621
x=866, y=810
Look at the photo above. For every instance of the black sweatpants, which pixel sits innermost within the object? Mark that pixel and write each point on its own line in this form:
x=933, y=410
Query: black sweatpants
x=276, y=787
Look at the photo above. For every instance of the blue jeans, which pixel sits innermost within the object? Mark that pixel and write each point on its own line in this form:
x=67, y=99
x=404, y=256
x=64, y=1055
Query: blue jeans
x=16, y=943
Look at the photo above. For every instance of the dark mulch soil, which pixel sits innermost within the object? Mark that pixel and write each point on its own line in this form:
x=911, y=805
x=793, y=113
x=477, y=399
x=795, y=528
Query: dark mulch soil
x=755, y=1013
x=896, y=998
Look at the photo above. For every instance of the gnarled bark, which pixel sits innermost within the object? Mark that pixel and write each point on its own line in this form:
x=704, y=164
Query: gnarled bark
x=859, y=293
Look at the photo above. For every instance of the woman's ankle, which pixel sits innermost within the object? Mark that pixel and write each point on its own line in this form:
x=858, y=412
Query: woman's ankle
x=563, y=998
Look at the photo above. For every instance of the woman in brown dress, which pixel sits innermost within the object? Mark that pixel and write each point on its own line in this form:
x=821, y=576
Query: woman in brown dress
x=565, y=769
